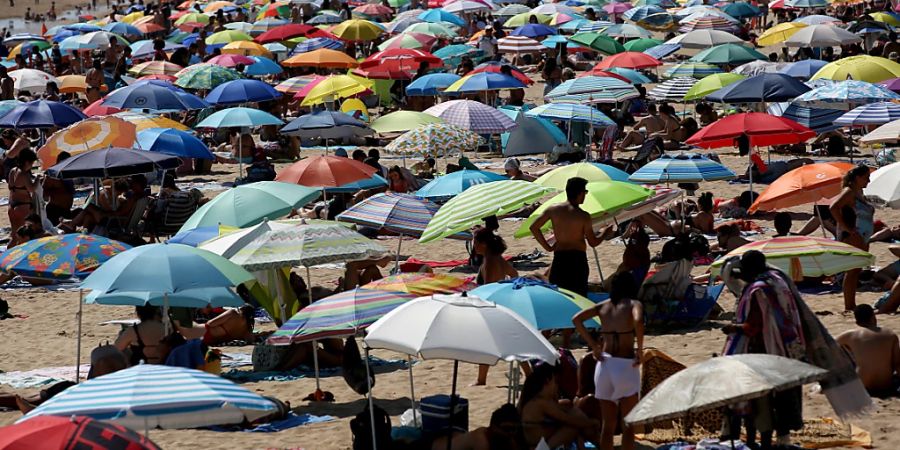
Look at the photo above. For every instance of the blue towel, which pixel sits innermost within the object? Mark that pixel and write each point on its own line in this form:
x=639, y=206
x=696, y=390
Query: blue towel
x=189, y=355
x=246, y=376
x=292, y=421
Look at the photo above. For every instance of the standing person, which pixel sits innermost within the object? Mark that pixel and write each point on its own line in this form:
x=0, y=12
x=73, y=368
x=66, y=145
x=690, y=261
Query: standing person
x=571, y=227
x=617, y=376
x=487, y=43
x=852, y=196
x=21, y=193
x=7, y=85
x=94, y=79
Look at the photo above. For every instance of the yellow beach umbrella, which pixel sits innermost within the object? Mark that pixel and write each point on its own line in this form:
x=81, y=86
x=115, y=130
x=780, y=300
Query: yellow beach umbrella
x=872, y=69
x=35, y=45
x=521, y=19
x=142, y=121
x=143, y=20
x=337, y=86
x=885, y=18
x=73, y=84
x=246, y=48
x=89, y=134
x=779, y=33
x=132, y=17
x=357, y=30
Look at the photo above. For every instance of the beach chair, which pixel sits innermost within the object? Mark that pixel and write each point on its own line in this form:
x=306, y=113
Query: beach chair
x=651, y=149
x=128, y=230
x=168, y=215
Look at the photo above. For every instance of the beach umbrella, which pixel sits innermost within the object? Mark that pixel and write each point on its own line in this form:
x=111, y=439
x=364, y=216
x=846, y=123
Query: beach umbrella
x=885, y=17
x=846, y=95
x=594, y=25
x=73, y=84
x=357, y=30
x=466, y=6
x=451, y=54
x=681, y=168
x=31, y=80
x=484, y=81
x=445, y=187
x=892, y=84
x=883, y=185
x=524, y=18
x=193, y=17
x=112, y=162
x=591, y=172
x=817, y=36
x=262, y=66
x=325, y=171
x=803, y=70
x=144, y=48
x=542, y=305
x=315, y=44
x=438, y=15
x=196, y=236
x=436, y=139
x=399, y=24
x=497, y=67
x=292, y=30
x=403, y=214
x=420, y=284
x=762, y=130
x=142, y=121
x=641, y=45
x=173, y=142
x=400, y=59
x=261, y=26
x=333, y=87
x=721, y=381
x=533, y=30
x=627, y=31
x=326, y=17
x=411, y=40
x=16, y=39
x=245, y=48
x=741, y=10
x=818, y=19
x=629, y=60
x=239, y=118
x=227, y=36
x=402, y=121
x=767, y=87
x=41, y=114
x=434, y=29
x=759, y=67
x=296, y=84
x=326, y=125
x=806, y=3
x=242, y=91
x=8, y=105
x=472, y=205
x=323, y=58
x=887, y=133
x=26, y=49
x=155, y=68
x=598, y=42
x=728, y=54
x=673, y=89
x=804, y=256
x=861, y=68
x=513, y=10
x=153, y=95
x=61, y=433
x=571, y=112
x=617, y=8
x=534, y=135
x=631, y=75
x=550, y=9
x=473, y=116
x=60, y=257
x=89, y=134
x=819, y=120
x=702, y=39
x=711, y=83
x=519, y=44
x=871, y=27
x=229, y=60
x=806, y=184
x=639, y=13
x=156, y=396
x=702, y=21
x=871, y=114
x=591, y=89
x=250, y=204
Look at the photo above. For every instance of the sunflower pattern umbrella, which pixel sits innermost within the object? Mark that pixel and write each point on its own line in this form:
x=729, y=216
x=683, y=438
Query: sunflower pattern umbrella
x=435, y=138
x=89, y=134
x=60, y=257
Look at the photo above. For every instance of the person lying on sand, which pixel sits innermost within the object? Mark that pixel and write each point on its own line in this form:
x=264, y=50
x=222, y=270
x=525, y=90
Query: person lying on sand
x=876, y=352
x=231, y=325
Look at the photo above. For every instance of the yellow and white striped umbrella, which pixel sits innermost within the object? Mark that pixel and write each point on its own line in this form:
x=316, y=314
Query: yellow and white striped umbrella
x=89, y=134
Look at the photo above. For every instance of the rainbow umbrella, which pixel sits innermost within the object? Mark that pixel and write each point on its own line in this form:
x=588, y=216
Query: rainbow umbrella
x=296, y=84
x=89, y=134
x=803, y=256
x=60, y=257
x=399, y=213
x=421, y=284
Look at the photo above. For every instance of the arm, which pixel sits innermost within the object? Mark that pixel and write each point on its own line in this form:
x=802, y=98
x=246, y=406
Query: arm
x=509, y=270
x=637, y=312
x=536, y=230
x=835, y=208
x=553, y=411
x=578, y=320
x=124, y=339
x=589, y=234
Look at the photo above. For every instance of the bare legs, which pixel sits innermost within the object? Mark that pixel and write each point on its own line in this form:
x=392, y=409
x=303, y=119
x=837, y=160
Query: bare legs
x=610, y=414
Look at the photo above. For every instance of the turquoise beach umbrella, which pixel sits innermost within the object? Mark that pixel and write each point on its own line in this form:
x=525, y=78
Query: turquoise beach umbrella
x=249, y=204
x=239, y=117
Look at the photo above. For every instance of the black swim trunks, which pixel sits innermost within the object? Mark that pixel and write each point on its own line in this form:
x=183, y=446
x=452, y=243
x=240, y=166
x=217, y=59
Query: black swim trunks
x=570, y=270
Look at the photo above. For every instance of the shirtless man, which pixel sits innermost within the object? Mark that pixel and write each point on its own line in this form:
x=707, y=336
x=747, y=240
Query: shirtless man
x=6, y=85
x=876, y=352
x=94, y=79
x=111, y=56
x=617, y=377
x=644, y=128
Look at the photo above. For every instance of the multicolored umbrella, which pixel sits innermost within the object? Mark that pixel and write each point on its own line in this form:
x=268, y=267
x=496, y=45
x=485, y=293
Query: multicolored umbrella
x=472, y=205
x=484, y=81
x=819, y=120
x=398, y=213
x=155, y=68
x=333, y=87
x=250, y=204
x=343, y=314
x=435, y=139
x=804, y=256
x=431, y=84
x=422, y=284
x=246, y=48
x=411, y=40
x=89, y=134
x=473, y=116
x=52, y=432
x=571, y=112
x=543, y=305
x=60, y=257
x=592, y=89
x=846, y=95
x=872, y=69
x=708, y=22
x=227, y=36
x=296, y=84
x=681, y=168
x=806, y=184
x=519, y=45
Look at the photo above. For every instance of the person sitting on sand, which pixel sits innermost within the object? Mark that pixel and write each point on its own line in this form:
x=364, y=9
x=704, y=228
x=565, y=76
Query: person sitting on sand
x=703, y=220
x=636, y=257
x=546, y=417
x=876, y=352
x=652, y=125
x=231, y=325
x=503, y=432
x=782, y=223
x=514, y=170
x=143, y=342
x=493, y=268
x=728, y=237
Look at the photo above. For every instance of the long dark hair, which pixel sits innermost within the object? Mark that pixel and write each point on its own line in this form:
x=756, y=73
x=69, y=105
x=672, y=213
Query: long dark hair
x=534, y=384
x=855, y=173
x=494, y=243
x=622, y=287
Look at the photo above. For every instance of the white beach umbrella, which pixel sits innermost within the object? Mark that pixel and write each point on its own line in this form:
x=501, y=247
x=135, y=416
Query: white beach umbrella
x=31, y=80
x=889, y=132
x=815, y=36
x=699, y=39
x=884, y=184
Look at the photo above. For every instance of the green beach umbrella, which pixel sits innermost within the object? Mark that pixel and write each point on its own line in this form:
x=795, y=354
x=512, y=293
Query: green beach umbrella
x=557, y=178
x=640, y=45
x=598, y=42
x=524, y=18
x=193, y=17
x=206, y=76
x=731, y=54
x=485, y=200
x=603, y=198
x=292, y=42
x=227, y=37
x=250, y=204
x=710, y=84
x=400, y=121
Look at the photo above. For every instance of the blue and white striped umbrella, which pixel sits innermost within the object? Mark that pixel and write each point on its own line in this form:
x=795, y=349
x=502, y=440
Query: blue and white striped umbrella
x=819, y=120
x=872, y=114
x=641, y=12
x=264, y=25
x=315, y=44
x=662, y=50
x=846, y=95
x=571, y=112
x=627, y=31
x=151, y=396
x=593, y=89
x=692, y=69
x=597, y=25
x=673, y=89
x=634, y=76
x=682, y=168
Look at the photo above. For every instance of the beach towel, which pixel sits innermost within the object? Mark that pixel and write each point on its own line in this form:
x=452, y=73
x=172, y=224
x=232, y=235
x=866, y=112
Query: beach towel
x=233, y=360
x=292, y=421
x=41, y=377
x=246, y=376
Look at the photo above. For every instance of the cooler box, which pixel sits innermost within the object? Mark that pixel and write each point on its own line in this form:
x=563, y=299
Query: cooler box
x=436, y=414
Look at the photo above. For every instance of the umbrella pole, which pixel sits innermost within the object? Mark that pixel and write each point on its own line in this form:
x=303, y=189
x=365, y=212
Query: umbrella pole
x=78, y=339
x=371, y=403
x=309, y=285
x=597, y=260
x=315, y=345
x=821, y=224
x=412, y=389
x=452, y=405
x=397, y=263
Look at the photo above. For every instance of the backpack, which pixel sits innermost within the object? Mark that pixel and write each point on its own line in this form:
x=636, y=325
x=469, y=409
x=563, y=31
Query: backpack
x=360, y=427
x=354, y=368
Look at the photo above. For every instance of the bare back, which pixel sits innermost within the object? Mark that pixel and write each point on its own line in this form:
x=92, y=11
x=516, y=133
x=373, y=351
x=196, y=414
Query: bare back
x=619, y=327
x=571, y=226
x=653, y=124
x=877, y=355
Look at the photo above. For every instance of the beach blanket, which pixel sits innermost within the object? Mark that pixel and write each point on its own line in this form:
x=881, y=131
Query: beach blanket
x=292, y=421
x=18, y=283
x=205, y=186
x=29, y=379
x=246, y=376
x=233, y=360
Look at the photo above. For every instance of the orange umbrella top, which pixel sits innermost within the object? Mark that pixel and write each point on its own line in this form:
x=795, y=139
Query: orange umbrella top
x=89, y=134
x=323, y=57
x=326, y=171
x=806, y=184
x=70, y=84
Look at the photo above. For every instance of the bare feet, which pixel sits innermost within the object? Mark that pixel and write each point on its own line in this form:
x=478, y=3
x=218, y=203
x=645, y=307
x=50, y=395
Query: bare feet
x=24, y=405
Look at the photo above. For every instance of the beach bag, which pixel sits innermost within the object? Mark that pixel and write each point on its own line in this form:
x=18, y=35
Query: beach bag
x=361, y=428
x=354, y=368
x=267, y=358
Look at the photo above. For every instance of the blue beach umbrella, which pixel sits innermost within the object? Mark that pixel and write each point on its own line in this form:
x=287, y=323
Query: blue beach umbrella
x=543, y=305
x=112, y=162
x=263, y=66
x=533, y=30
x=173, y=142
x=803, y=70
x=125, y=29
x=242, y=91
x=239, y=117
x=741, y=10
x=326, y=125
x=662, y=50
x=845, y=95
x=195, y=236
x=766, y=87
x=153, y=95
x=431, y=84
x=8, y=105
x=485, y=81
x=571, y=112
x=83, y=27
x=266, y=24
x=872, y=114
x=377, y=181
x=641, y=12
x=819, y=120
x=438, y=15
x=681, y=168
x=41, y=114
x=534, y=135
x=634, y=76
x=448, y=186
x=315, y=44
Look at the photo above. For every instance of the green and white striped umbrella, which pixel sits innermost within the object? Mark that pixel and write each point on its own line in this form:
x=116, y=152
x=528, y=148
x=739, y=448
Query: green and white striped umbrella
x=272, y=245
x=485, y=200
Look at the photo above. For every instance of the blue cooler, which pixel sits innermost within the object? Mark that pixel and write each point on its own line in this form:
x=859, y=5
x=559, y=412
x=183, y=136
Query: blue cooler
x=436, y=414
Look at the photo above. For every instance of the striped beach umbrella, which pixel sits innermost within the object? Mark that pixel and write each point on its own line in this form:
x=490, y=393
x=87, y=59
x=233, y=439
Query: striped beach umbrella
x=595, y=26
x=421, y=284
x=404, y=214
x=473, y=116
x=519, y=44
x=154, y=396
x=691, y=69
x=468, y=208
x=639, y=13
x=343, y=314
x=872, y=114
x=705, y=23
x=681, y=168
x=819, y=120
x=155, y=68
x=89, y=134
x=315, y=44
x=803, y=256
x=296, y=84
x=592, y=89
x=571, y=112
x=673, y=89
x=435, y=139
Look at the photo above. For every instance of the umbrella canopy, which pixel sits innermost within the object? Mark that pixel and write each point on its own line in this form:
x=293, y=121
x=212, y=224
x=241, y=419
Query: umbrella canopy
x=431, y=84
x=230, y=60
x=705, y=22
x=872, y=114
x=711, y=83
x=629, y=60
x=60, y=257
x=767, y=87
x=112, y=162
x=571, y=112
x=484, y=81
x=326, y=125
x=411, y=40
x=422, y=284
x=592, y=89
x=357, y=30
x=153, y=95
x=674, y=89
x=741, y=10
x=333, y=87
x=819, y=120
x=401, y=121
x=473, y=116
x=542, y=305
x=846, y=95
x=884, y=185
x=682, y=168
x=90, y=134
x=291, y=30
x=641, y=45
x=41, y=114
x=598, y=42
x=239, y=117
x=804, y=256
x=173, y=142
x=51, y=432
x=31, y=80
x=862, y=68
x=817, y=36
x=205, y=76
x=478, y=202
x=323, y=58
x=448, y=186
x=805, y=184
x=460, y=328
x=627, y=31
x=590, y=171
x=155, y=396
x=803, y=70
x=692, y=69
x=325, y=171
x=534, y=135
x=343, y=314
x=519, y=44
x=160, y=274
x=728, y=54
x=435, y=139
x=399, y=213
x=142, y=121
x=703, y=39
x=155, y=68
x=721, y=381
x=315, y=44
x=762, y=129
x=296, y=84
x=249, y=204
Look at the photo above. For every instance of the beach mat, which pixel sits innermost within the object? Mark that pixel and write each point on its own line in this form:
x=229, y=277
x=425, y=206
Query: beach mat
x=292, y=421
x=28, y=379
x=247, y=376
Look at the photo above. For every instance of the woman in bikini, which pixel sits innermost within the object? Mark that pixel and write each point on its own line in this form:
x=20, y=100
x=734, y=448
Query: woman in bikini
x=493, y=268
x=144, y=340
x=21, y=193
x=852, y=196
x=545, y=416
x=231, y=325
x=617, y=377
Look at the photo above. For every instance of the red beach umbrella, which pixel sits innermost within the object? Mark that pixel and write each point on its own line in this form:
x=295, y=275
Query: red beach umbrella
x=762, y=129
x=325, y=171
x=64, y=433
x=629, y=60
